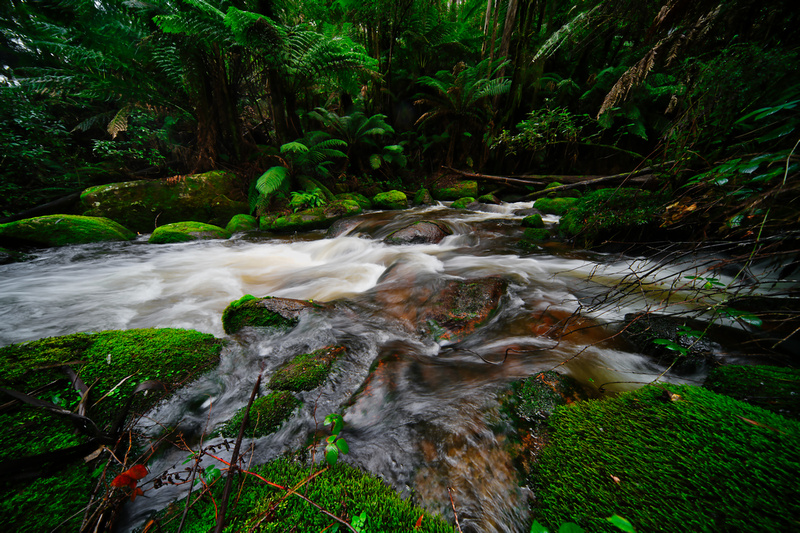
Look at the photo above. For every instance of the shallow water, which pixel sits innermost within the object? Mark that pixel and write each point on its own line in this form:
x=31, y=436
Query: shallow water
x=419, y=414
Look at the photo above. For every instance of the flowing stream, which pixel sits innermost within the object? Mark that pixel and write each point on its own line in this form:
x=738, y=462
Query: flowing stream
x=421, y=415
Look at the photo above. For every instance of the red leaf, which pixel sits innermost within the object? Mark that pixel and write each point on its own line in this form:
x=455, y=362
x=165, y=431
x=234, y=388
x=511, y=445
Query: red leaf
x=123, y=480
x=136, y=492
x=137, y=471
x=419, y=522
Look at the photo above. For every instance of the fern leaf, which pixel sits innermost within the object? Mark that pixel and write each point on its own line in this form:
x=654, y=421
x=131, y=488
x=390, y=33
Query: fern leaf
x=295, y=147
x=120, y=122
x=272, y=180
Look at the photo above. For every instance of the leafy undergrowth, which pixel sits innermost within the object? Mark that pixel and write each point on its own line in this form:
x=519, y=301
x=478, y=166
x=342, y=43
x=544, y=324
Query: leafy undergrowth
x=342, y=490
x=670, y=458
x=39, y=493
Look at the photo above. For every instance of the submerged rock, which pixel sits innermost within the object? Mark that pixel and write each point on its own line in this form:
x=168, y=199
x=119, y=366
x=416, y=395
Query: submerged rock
x=282, y=313
x=187, y=231
x=422, y=232
x=212, y=197
x=61, y=230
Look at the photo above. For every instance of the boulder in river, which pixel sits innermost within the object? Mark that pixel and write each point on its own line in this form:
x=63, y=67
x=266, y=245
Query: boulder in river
x=306, y=371
x=422, y=232
x=187, y=231
x=358, y=198
x=316, y=218
x=423, y=197
x=463, y=203
x=390, y=200
x=283, y=313
x=461, y=189
x=61, y=230
x=242, y=222
x=212, y=197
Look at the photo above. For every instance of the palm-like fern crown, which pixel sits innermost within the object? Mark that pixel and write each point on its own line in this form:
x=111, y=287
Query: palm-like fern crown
x=354, y=128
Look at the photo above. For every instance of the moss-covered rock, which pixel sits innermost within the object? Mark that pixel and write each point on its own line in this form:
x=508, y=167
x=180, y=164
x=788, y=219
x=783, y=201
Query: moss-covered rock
x=11, y=256
x=266, y=415
x=532, y=237
x=61, y=230
x=535, y=398
x=390, y=200
x=533, y=221
x=342, y=490
x=423, y=197
x=242, y=222
x=306, y=371
x=421, y=232
x=310, y=219
x=112, y=363
x=624, y=213
x=358, y=198
x=489, y=199
x=554, y=206
x=463, y=203
x=773, y=388
x=187, y=231
x=461, y=307
x=462, y=189
x=281, y=313
x=212, y=197
x=669, y=458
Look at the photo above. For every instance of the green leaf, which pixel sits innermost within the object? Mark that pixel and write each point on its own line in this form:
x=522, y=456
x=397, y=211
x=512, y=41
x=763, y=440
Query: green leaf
x=295, y=147
x=621, y=523
x=331, y=455
x=570, y=527
x=272, y=180
x=536, y=527
x=342, y=445
x=670, y=345
x=375, y=161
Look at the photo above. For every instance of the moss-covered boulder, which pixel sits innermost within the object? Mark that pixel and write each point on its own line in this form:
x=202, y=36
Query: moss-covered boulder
x=358, y=198
x=489, y=199
x=343, y=490
x=212, y=197
x=266, y=415
x=310, y=219
x=461, y=189
x=534, y=399
x=624, y=213
x=281, y=313
x=669, y=458
x=554, y=206
x=463, y=203
x=422, y=232
x=773, y=388
x=306, y=371
x=423, y=197
x=533, y=221
x=187, y=231
x=40, y=492
x=390, y=200
x=61, y=230
x=242, y=222
x=460, y=307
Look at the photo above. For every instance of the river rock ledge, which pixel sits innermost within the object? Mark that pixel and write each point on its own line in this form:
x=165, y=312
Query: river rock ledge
x=282, y=313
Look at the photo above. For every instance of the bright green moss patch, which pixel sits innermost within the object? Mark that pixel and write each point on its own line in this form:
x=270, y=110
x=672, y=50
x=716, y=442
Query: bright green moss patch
x=774, y=388
x=390, y=200
x=533, y=221
x=360, y=199
x=461, y=189
x=266, y=415
x=536, y=397
x=423, y=197
x=462, y=203
x=60, y=230
x=306, y=371
x=554, y=206
x=342, y=490
x=187, y=231
x=608, y=212
x=310, y=219
x=242, y=222
x=281, y=313
x=697, y=462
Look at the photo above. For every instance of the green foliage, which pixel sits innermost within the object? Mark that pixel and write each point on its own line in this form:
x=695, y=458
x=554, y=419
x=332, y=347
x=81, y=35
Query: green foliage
x=543, y=129
x=335, y=444
x=306, y=199
x=690, y=459
x=266, y=415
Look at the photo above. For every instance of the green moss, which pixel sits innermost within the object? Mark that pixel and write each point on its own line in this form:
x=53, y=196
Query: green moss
x=696, y=462
x=533, y=221
x=554, y=206
x=461, y=189
x=489, y=199
x=306, y=371
x=774, y=388
x=266, y=415
x=246, y=311
x=187, y=231
x=553, y=185
x=310, y=219
x=342, y=490
x=61, y=230
x=536, y=234
x=242, y=222
x=423, y=197
x=535, y=398
x=462, y=203
x=360, y=199
x=610, y=211
x=390, y=200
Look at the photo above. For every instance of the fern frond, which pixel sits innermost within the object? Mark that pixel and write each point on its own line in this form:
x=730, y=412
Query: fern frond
x=272, y=180
x=120, y=122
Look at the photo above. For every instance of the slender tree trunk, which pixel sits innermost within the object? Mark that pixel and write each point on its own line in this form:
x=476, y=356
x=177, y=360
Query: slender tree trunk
x=486, y=20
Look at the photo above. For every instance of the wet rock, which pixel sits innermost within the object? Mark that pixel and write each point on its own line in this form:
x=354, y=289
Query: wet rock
x=527, y=212
x=306, y=371
x=423, y=197
x=461, y=307
x=360, y=199
x=535, y=398
x=187, y=231
x=422, y=232
x=242, y=222
x=212, y=197
x=316, y=218
x=342, y=226
x=282, y=313
x=390, y=200
x=61, y=230
x=463, y=203
x=489, y=199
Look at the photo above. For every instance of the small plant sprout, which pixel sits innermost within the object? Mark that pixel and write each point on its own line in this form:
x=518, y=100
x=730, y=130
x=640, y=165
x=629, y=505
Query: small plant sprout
x=334, y=444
